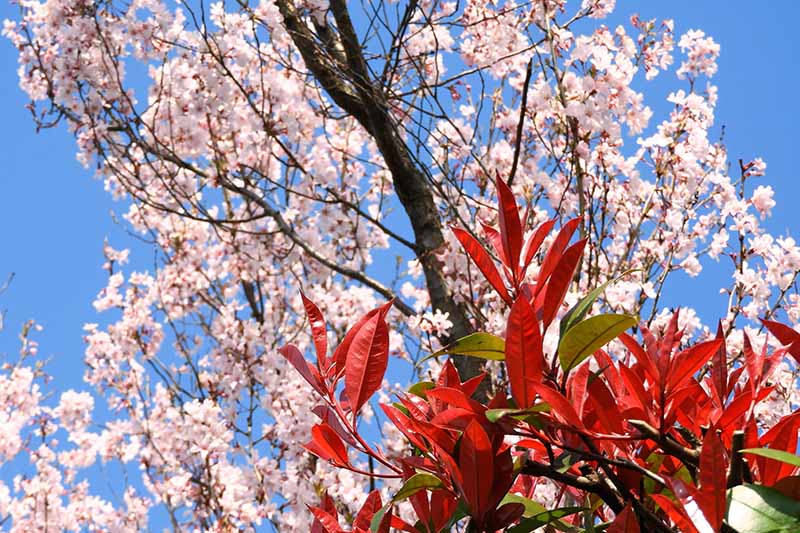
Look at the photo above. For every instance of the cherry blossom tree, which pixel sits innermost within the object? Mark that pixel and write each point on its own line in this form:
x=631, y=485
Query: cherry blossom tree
x=269, y=147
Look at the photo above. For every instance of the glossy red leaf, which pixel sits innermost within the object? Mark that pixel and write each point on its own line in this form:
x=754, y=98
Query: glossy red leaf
x=713, y=478
x=782, y=332
x=553, y=254
x=417, y=408
x=443, y=505
x=340, y=354
x=327, y=445
x=624, y=522
x=455, y=398
x=471, y=385
x=577, y=384
x=668, y=342
x=483, y=262
x=510, y=225
x=732, y=414
x=675, y=513
x=689, y=361
x=366, y=362
x=560, y=280
x=397, y=523
x=642, y=357
x=635, y=387
x=786, y=336
x=754, y=364
x=404, y=424
x=328, y=416
x=719, y=368
x=782, y=436
x=494, y=237
x=329, y=523
x=309, y=372
x=476, y=462
x=559, y=406
x=606, y=407
x=535, y=240
x=329, y=508
x=371, y=506
x=319, y=331
x=524, y=357
x=455, y=418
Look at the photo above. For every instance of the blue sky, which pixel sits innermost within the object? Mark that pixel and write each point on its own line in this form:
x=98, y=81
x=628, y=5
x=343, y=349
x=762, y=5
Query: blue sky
x=54, y=216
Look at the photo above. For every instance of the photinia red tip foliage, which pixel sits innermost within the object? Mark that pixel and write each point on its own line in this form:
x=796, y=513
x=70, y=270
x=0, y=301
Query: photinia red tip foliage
x=648, y=439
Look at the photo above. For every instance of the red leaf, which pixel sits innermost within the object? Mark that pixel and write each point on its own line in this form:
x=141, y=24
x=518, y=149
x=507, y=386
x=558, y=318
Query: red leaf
x=340, y=354
x=327, y=445
x=689, y=361
x=510, y=225
x=454, y=418
x=535, y=241
x=789, y=486
x=786, y=336
x=577, y=384
x=318, y=331
x=309, y=373
x=782, y=436
x=476, y=462
x=554, y=252
x=560, y=281
x=471, y=385
x=371, y=506
x=782, y=332
x=366, y=362
x=625, y=522
x=524, y=358
x=404, y=424
x=754, y=363
x=493, y=236
x=734, y=411
x=327, y=521
x=668, y=342
x=455, y=398
x=328, y=416
x=395, y=522
x=329, y=508
x=483, y=262
x=713, y=468
x=642, y=357
x=635, y=387
x=606, y=407
x=443, y=505
x=443, y=438
x=719, y=368
x=675, y=513
x=559, y=406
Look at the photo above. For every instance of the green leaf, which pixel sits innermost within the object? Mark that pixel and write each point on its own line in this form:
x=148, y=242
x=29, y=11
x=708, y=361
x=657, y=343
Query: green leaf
x=419, y=389
x=760, y=509
x=778, y=455
x=416, y=483
x=532, y=508
x=526, y=525
x=377, y=518
x=493, y=415
x=585, y=338
x=482, y=345
x=579, y=310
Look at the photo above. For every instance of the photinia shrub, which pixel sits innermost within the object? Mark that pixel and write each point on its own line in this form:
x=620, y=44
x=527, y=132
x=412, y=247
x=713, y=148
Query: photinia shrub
x=644, y=434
